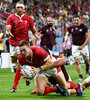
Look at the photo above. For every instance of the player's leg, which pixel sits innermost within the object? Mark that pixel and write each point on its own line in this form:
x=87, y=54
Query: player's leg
x=85, y=54
x=68, y=85
x=16, y=78
x=76, y=55
x=86, y=82
x=14, y=63
x=14, y=51
x=40, y=85
x=78, y=68
x=13, y=58
x=87, y=63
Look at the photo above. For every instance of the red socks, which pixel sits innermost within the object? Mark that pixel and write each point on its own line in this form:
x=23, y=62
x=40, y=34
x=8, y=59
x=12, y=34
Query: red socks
x=73, y=85
x=50, y=89
x=17, y=78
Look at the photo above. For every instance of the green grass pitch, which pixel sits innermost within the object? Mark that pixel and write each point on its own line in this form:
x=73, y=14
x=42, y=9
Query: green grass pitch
x=23, y=92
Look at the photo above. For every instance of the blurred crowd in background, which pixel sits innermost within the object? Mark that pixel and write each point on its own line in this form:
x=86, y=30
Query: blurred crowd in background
x=62, y=12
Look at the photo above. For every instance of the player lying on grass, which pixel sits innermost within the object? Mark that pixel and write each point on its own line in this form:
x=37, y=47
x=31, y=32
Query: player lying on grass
x=84, y=84
x=44, y=66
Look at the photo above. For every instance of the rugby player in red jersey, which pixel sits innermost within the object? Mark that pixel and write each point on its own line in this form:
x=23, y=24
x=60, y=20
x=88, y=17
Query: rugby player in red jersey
x=44, y=66
x=17, y=26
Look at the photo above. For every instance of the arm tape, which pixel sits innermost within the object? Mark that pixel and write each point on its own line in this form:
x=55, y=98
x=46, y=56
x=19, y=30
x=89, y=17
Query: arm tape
x=66, y=36
x=40, y=68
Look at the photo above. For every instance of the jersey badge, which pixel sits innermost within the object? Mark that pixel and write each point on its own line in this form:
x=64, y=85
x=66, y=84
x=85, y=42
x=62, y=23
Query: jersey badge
x=72, y=30
x=15, y=21
x=80, y=30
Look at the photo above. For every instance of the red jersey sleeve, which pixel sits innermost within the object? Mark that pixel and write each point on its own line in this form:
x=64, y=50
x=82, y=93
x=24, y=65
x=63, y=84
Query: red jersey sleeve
x=31, y=23
x=43, y=55
x=9, y=21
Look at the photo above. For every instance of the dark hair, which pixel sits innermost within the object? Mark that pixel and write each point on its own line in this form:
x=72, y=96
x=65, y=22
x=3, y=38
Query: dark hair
x=75, y=16
x=23, y=42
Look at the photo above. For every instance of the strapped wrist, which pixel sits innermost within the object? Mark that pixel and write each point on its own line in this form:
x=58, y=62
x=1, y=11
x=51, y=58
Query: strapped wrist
x=40, y=69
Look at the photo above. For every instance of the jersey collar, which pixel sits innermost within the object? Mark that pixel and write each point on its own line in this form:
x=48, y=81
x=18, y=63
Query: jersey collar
x=19, y=16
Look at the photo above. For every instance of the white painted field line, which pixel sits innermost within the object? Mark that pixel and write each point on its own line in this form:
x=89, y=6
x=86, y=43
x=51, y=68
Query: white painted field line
x=6, y=75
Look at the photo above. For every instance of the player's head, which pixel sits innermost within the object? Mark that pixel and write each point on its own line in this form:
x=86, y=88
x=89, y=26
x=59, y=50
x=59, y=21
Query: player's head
x=20, y=8
x=76, y=20
x=24, y=48
x=49, y=21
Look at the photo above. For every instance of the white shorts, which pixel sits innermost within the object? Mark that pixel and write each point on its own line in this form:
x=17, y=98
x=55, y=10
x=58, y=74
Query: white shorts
x=51, y=72
x=77, y=53
x=14, y=51
x=87, y=80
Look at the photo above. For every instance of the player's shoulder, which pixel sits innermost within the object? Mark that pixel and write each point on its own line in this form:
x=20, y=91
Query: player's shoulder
x=11, y=16
x=83, y=25
x=71, y=26
x=37, y=49
x=27, y=16
x=43, y=28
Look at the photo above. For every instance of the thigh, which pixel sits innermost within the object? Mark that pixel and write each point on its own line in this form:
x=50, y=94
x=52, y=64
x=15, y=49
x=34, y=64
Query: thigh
x=14, y=51
x=61, y=79
x=75, y=51
x=85, y=53
x=40, y=83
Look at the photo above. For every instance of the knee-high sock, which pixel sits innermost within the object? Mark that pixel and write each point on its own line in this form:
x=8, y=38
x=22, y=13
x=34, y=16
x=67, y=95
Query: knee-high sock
x=17, y=78
x=50, y=89
x=73, y=85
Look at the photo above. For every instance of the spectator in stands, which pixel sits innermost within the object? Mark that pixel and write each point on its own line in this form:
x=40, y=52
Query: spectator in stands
x=1, y=42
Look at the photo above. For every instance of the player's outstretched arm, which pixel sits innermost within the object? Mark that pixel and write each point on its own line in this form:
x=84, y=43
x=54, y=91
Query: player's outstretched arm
x=50, y=64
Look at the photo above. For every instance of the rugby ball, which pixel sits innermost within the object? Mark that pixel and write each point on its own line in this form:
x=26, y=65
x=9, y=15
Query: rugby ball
x=28, y=72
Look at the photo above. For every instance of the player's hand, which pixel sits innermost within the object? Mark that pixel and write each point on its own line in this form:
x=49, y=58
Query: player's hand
x=24, y=76
x=38, y=35
x=36, y=70
x=80, y=48
x=8, y=33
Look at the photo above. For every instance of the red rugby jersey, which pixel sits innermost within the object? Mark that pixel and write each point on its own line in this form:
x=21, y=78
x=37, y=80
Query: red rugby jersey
x=20, y=27
x=38, y=59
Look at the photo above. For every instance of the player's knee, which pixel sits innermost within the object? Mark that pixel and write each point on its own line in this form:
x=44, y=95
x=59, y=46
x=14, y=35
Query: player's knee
x=14, y=66
x=65, y=87
x=40, y=92
x=77, y=61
